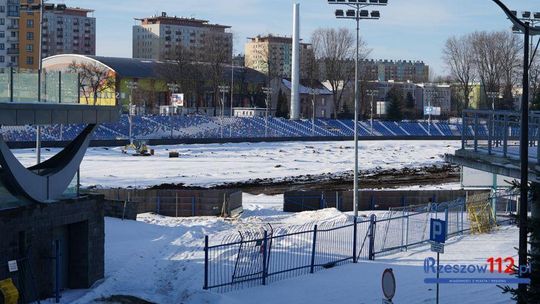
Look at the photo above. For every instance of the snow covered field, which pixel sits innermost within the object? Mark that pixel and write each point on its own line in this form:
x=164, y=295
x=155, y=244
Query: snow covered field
x=161, y=260
x=215, y=164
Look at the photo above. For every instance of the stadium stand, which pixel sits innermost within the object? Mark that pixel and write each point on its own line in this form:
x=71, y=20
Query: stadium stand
x=207, y=127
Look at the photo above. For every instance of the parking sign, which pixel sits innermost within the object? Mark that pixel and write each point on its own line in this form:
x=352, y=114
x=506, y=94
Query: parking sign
x=437, y=232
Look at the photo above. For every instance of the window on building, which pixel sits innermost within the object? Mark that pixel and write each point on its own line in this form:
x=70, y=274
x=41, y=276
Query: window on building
x=30, y=36
x=2, y=21
x=2, y=59
x=29, y=48
x=2, y=46
x=2, y=9
x=30, y=23
x=3, y=34
x=29, y=60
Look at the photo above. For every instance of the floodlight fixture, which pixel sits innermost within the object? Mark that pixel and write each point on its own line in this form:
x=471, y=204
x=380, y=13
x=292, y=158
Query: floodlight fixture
x=340, y=13
x=375, y=14
x=526, y=14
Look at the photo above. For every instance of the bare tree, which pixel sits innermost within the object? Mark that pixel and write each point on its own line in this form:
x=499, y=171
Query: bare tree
x=215, y=52
x=534, y=77
x=510, y=64
x=497, y=61
x=180, y=69
x=93, y=79
x=457, y=54
x=335, y=49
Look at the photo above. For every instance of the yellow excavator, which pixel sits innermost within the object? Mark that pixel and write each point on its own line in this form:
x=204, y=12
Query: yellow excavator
x=137, y=148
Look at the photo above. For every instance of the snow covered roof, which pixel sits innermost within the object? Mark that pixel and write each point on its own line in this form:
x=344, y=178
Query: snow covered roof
x=305, y=87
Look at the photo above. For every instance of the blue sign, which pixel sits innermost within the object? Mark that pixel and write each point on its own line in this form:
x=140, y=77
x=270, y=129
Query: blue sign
x=437, y=231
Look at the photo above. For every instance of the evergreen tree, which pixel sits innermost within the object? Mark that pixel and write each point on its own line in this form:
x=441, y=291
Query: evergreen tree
x=279, y=104
x=282, y=107
x=410, y=101
x=395, y=107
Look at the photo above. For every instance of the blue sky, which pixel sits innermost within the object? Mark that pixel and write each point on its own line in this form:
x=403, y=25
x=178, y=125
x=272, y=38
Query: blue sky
x=408, y=29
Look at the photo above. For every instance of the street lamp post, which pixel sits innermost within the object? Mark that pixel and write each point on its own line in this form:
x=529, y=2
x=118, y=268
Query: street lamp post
x=357, y=14
x=232, y=94
x=223, y=89
x=313, y=95
x=528, y=31
x=268, y=92
x=173, y=88
x=372, y=94
x=131, y=85
x=493, y=96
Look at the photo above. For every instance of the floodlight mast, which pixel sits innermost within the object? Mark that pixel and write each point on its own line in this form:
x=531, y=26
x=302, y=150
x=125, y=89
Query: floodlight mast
x=526, y=28
x=357, y=14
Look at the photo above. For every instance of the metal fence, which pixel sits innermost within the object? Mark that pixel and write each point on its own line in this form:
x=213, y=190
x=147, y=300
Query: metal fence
x=498, y=133
x=260, y=256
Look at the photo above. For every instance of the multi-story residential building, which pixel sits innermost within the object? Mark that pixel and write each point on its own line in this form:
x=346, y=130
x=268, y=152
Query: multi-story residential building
x=28, y=46
x=165, y=37
x=272, y=55
x=64, y=31
x=9, y=33
x=399, y=70
x=70, y=30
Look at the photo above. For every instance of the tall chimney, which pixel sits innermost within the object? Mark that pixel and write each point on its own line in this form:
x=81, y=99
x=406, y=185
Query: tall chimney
x=295, y=73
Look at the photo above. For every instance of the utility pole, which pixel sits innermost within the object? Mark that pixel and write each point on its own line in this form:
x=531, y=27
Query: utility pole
x=372, y=94
x=268, y=92
x=223, y=89
x=131, y=85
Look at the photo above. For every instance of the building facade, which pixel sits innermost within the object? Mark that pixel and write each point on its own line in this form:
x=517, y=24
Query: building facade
x=70, y=30
x=164, y=37
x=9, y=33
x=272, y=55
x=398, y=70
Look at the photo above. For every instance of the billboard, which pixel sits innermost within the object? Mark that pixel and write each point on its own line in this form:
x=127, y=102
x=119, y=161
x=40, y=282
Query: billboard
x=435, y=111
x=177, y=99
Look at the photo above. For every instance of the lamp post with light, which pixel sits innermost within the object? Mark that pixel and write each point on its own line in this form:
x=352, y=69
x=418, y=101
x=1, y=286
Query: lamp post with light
x=357, y=13
x=523, y=26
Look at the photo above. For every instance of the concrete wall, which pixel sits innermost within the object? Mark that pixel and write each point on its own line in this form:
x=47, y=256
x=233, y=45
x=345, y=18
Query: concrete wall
x=127, y=203
x=31, y=231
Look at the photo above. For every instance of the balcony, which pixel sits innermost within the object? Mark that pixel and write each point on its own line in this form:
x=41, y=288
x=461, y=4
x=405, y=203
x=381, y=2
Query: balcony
x=12, y=51
x=13, y=27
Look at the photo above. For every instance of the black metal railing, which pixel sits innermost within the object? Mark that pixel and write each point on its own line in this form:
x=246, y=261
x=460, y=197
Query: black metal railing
x=498, y=133
x=257, y=257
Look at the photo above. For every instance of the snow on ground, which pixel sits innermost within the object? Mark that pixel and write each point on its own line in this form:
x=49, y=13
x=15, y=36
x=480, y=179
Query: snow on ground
x=213, y=164
x=160, y=259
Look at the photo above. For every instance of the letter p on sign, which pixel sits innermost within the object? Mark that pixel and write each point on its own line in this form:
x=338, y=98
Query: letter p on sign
x=437, y=231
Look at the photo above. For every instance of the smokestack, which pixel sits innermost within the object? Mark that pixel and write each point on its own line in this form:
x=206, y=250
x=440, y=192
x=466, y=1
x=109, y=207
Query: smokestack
x=295, y=73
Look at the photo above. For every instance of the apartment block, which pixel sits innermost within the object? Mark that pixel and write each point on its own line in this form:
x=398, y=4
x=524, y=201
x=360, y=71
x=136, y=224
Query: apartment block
x=9, y=33
x=273, y=55
x=69, y=30
x=72, y=31
x=396, y=70
x=166, y=37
